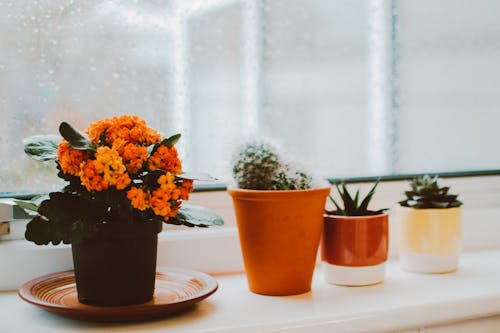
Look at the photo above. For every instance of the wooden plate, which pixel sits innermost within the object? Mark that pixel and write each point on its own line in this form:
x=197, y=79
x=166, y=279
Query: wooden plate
x=176, y=290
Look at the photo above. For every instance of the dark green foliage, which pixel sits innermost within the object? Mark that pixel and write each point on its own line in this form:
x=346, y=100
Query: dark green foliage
x=169, y=142
x=258, y=167
x=426, y=193
x=64, y=217
x=42, y=147
x=75, y=139
x=75, y=213
x=190, y=215
x=352, y=207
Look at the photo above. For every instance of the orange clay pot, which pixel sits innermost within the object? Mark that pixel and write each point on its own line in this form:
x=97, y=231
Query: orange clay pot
x=354, y=248
x=279, y=235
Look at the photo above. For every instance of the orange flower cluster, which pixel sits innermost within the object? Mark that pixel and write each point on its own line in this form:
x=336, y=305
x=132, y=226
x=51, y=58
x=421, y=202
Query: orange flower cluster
x=133, y=155
x=121, y=159
x=164, y=200
x=70, y=159
x=106, y=170
x=165, y=158
x=128, y=128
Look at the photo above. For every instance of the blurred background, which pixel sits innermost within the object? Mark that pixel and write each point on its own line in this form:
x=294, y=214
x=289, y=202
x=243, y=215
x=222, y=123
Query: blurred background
x=353, y=88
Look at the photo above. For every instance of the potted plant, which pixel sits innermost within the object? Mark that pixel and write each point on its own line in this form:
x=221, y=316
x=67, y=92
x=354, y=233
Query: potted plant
x=355, y=241
x=429, y=222
x=123, y=181
x=279, y=219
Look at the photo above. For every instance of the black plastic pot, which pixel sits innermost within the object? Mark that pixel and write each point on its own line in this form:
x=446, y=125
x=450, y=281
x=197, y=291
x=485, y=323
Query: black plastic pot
x=117, y=266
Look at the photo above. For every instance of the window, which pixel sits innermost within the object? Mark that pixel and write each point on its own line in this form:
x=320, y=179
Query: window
x=357, y=88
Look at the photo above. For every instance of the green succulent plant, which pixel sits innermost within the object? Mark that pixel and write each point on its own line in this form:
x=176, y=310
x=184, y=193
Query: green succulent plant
x=257, y=166
x=354, y=206
x=426, y=193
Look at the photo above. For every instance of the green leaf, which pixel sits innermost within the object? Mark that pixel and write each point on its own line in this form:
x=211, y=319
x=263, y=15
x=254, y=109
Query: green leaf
x=75, y=139
x=339, y=211
x=191, y=215
x=38, y=231
x=356, y=198
x=151, y=179
x=197, y=176
x=348, y=202
x=42, y=147
x=169, y=142
x=364, y=204
x=28, y=206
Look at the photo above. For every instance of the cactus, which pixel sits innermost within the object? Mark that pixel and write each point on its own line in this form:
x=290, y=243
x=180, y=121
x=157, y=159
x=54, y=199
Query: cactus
x=297, y=180
x=426, y=193
x=259, y=167
x=351, y=206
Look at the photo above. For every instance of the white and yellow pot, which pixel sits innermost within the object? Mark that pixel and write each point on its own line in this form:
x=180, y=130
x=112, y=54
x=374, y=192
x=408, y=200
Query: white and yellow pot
x=430, y=239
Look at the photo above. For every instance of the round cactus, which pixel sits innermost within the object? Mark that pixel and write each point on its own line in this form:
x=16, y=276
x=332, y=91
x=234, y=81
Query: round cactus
x=259, y=167
x=256, y=166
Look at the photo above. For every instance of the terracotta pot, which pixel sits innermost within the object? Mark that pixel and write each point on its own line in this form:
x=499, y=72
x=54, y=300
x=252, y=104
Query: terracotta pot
x=279, y=235
x=117, y=266
x=430, y=239
x=354, y=249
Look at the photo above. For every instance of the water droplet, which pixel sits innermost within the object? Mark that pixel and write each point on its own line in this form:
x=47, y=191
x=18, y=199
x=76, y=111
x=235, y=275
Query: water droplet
x=92, y=68
x=51, y=71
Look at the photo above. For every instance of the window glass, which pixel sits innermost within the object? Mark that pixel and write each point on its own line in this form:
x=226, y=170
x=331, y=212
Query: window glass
x=353, y=88
x=449, y=85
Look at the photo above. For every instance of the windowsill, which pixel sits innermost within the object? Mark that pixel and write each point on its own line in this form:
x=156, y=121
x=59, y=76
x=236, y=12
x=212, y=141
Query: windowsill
x=404, y=301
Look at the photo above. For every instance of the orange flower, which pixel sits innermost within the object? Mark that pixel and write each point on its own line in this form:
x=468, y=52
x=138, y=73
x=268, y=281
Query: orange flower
x=160, y=203
x=69, y=159
x=186, y=188
x=106, y=170
x=132, y=129
x=138, y=198
x=133, y=156
x=165, y=158
x=90, y=178
x=165, y=201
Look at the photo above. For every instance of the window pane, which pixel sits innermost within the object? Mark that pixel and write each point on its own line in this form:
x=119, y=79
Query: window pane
x=79, y=61
x=317, y=76
x=449, y=85
x=353, y=88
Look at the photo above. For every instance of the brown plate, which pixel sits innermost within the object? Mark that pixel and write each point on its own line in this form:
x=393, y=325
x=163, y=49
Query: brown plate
x=176, y=290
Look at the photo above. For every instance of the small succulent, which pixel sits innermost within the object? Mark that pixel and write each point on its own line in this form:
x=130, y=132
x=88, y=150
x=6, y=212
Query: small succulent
x=258, y=166
x=426, y=193
x=352, y=207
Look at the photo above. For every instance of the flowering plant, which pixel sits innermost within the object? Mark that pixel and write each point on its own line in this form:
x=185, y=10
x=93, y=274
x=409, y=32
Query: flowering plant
x=120, y=171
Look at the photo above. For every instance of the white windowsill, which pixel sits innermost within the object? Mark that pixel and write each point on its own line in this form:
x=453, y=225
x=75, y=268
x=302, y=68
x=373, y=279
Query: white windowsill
x=405, y=301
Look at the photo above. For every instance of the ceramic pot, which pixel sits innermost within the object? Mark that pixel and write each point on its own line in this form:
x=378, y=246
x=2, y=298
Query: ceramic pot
x=279, y=234
x=354, y=249
x=117, y=266
x=430, y=239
